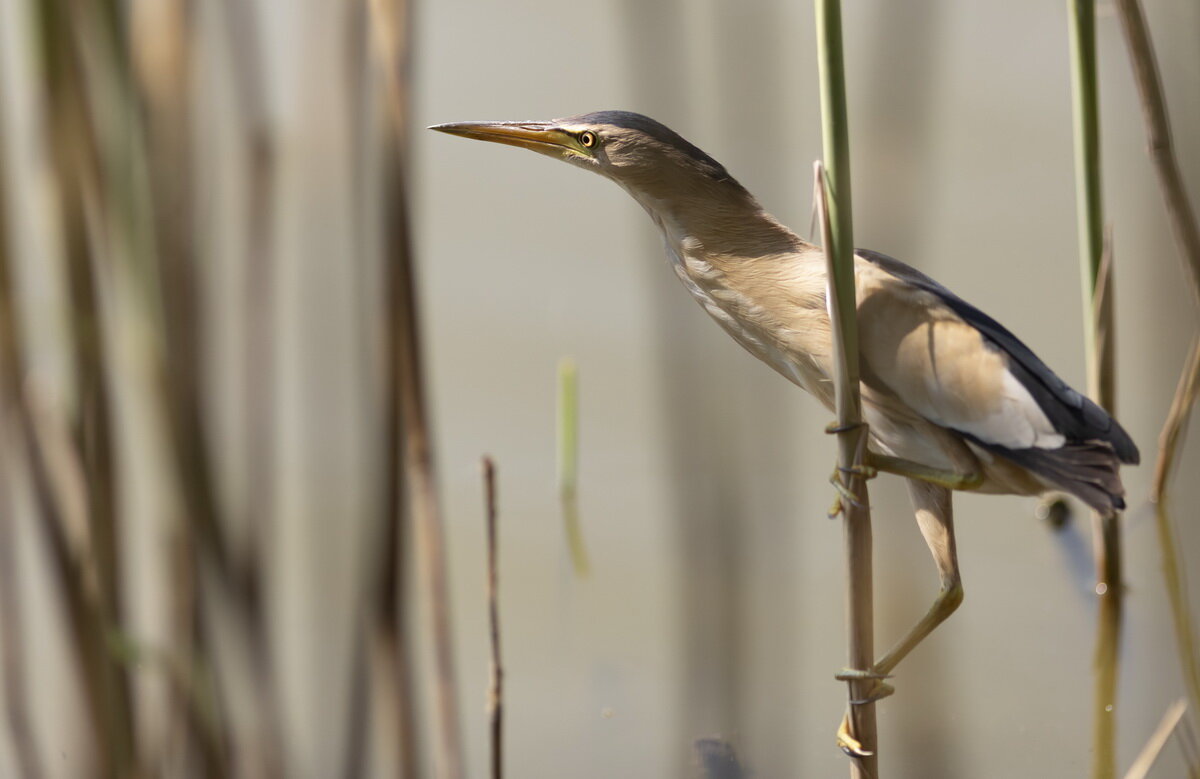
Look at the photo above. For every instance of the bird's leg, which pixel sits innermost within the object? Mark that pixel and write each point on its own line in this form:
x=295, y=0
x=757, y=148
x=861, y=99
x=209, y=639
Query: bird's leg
x=874, y=463
x=936, y=520
x=951, y=480
x=935, y=517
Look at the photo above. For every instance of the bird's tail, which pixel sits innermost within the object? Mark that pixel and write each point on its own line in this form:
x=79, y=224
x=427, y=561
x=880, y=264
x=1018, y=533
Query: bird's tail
x=1090, y=471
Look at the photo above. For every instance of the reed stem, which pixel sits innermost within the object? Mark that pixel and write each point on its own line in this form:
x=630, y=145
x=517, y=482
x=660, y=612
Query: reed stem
x=839, y=252
x=1096, y=272
x=1187, y=235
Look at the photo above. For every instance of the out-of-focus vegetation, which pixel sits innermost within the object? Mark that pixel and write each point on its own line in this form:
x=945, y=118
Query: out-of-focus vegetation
x=212, y=435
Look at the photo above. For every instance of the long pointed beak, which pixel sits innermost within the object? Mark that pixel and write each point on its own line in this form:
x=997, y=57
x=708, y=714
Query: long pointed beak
x=538, y=136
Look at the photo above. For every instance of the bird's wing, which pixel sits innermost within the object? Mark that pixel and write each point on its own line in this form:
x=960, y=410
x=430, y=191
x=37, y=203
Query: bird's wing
x=961, y=369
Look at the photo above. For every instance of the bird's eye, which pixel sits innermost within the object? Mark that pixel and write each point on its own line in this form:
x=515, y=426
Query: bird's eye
x=588, y=139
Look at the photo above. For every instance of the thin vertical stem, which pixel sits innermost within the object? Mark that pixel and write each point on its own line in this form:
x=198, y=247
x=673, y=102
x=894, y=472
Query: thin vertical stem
x=835, y=136
x=1187, y=236
x=839, y=254
x=1158, y=739
x=1088, y=195
x=840, y=296
x=391, y=38
x=568, y=463
x=1158, y=136
x=70, y=34
x=1173, y=567
x=495, y=699
x=1096, y=272
x=12, y=637
x=856, y=513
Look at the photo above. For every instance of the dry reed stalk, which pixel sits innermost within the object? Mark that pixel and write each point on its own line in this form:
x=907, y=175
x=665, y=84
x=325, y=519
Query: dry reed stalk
x=257, y=138
x=1158, y=136
x=495, y=696
x=838, y=239
x=160, y=48
x=1107, y=547
x=856, y=512
x=16, y=700
x=1173, y=565
x=1095, y=252
x=391, y=42
x=93, y=611
x=259, y=304
x=1158, y=739
x=56, y=494
x=137, y=200
x=16, y=696
x=1187, y=235
x=390, y=695
x=136, y=94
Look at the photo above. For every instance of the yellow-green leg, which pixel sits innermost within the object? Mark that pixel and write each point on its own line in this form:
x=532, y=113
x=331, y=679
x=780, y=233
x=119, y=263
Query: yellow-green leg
x=951, y=480
x=935, y=518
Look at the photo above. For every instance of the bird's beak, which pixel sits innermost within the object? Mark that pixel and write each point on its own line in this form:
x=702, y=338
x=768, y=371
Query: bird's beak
x=545, y=137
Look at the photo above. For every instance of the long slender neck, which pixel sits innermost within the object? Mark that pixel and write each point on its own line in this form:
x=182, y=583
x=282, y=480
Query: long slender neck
x=720, y=217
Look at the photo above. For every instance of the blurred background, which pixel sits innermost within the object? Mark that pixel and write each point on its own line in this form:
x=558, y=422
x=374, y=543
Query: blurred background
x=206, y=567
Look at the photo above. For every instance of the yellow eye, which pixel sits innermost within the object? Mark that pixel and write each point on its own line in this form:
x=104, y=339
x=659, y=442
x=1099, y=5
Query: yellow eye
x=588, y=139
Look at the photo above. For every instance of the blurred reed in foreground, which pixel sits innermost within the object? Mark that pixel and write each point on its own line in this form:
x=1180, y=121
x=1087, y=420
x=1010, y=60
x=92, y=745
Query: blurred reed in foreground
x=215, y=433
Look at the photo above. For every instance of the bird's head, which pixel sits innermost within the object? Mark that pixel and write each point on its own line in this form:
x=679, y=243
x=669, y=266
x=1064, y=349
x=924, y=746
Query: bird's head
x=654, y=163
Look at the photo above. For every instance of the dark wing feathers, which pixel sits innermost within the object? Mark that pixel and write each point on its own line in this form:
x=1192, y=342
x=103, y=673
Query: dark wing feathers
x=1072, y=414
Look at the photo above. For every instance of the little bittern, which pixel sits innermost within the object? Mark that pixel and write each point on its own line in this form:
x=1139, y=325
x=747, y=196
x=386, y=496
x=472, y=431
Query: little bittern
x=952, y=399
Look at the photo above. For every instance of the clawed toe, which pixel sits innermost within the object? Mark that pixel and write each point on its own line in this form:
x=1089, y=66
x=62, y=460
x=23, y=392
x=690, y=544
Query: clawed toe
x=844, y=494
x=865, y=471
x=855, y=674
x=848, y=743
x=879, y=689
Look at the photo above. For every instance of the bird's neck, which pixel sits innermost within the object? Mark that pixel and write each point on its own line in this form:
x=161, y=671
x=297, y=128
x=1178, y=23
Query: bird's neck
x=729, y=223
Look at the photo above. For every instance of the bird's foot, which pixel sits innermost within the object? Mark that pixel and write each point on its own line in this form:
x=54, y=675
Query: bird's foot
x=863, y=470
x=833, y=428
x=844, y=493
x=847, y=742
x=878, y=690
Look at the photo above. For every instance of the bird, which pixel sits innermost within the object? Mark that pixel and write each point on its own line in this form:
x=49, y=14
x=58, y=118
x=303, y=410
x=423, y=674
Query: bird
x=951, y=398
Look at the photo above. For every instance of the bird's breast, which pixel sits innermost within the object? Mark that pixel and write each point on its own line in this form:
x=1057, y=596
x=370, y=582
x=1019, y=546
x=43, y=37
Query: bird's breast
x=758, y=313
